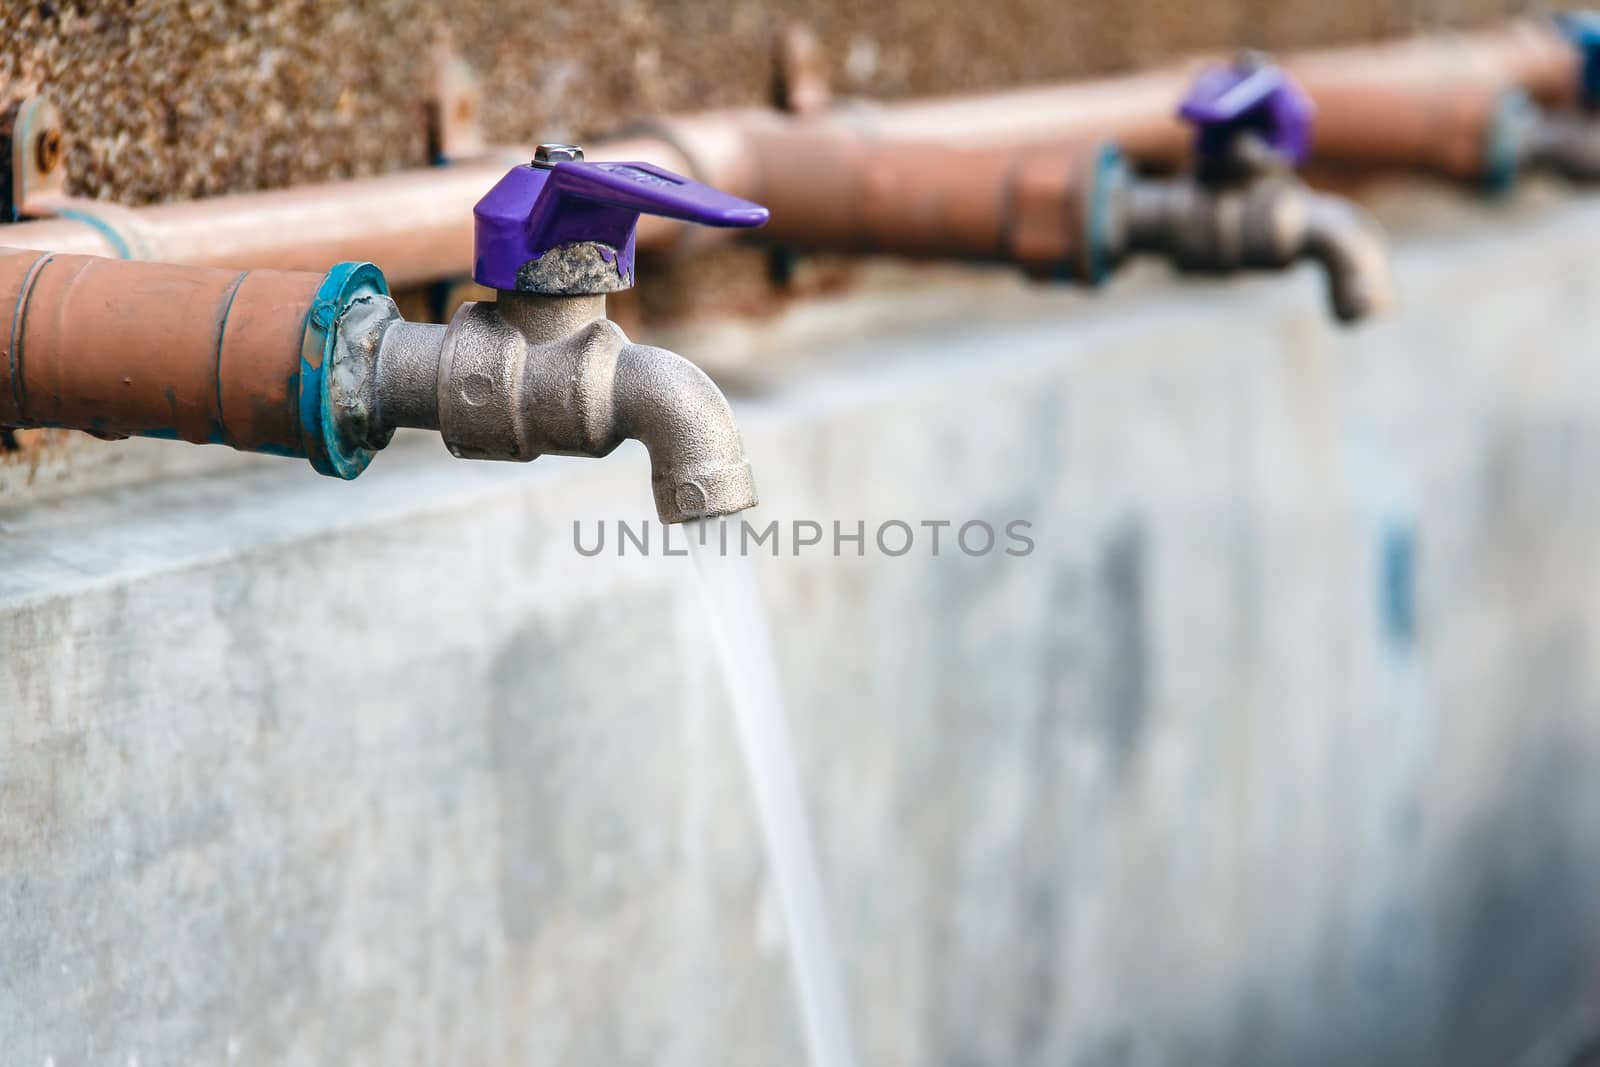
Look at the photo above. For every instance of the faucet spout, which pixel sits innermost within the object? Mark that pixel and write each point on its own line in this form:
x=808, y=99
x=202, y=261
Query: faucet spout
x=697, y=463
x=532, y=374
x=1346, y=240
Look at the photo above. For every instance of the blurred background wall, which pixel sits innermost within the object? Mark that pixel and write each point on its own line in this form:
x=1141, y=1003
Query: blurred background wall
x=170, y=99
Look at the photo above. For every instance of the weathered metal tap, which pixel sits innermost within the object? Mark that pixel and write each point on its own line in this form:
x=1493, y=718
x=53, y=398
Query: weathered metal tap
x=1241, y=205
x=325, y=367
x=541, y=369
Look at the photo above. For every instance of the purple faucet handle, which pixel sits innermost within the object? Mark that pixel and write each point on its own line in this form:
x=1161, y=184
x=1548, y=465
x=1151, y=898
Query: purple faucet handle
x=646, y=189
x=1250, y=96
x=564, y=226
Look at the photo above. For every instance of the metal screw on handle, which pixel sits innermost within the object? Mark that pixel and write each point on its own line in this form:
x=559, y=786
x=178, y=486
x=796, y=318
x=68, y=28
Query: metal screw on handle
x=548, y=155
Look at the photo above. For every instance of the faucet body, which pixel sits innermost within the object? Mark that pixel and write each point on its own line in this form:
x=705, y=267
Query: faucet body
x=529, y=375
x=1268, y=221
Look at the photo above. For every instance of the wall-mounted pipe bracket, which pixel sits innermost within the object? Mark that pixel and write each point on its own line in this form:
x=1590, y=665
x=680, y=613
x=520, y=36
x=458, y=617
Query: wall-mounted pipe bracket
x=37, y=187
x=38, y=151
x=800, y=88
x=454, y=109
x=453, y=113
x=799, y=72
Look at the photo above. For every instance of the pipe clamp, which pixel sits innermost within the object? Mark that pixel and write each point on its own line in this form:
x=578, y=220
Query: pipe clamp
x=324, y=445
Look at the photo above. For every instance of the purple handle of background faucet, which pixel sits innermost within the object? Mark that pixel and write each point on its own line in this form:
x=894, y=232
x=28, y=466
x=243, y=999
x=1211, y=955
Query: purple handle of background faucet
x=1226, y=101
x=535, y=209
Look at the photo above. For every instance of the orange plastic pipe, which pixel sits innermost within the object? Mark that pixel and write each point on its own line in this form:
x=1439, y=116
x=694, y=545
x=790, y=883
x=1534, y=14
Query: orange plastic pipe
x=122, y=348
x=1425, y=102
x=1421, y=102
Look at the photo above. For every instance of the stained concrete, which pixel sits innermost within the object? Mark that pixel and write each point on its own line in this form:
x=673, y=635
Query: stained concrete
x=1280, y=748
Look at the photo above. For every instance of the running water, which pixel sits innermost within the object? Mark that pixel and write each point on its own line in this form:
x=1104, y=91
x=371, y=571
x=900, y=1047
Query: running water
x=738, y=625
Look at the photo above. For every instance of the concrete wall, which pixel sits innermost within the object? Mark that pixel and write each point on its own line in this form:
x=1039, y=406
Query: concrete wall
x=1281, y=748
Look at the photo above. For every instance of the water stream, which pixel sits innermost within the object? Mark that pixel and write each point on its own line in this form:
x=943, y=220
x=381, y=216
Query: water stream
x=738, y=626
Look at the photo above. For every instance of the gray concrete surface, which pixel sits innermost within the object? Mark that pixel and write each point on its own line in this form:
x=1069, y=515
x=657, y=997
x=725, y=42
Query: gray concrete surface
x=1281, y=748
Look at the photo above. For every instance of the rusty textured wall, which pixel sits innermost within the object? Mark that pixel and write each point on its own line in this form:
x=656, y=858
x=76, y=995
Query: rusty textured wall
x=179, y=98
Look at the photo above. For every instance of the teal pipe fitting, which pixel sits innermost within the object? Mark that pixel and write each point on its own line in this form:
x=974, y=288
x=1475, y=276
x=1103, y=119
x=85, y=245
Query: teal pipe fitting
x=1506, y=138
x=1101, y=244
x=328, y=449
